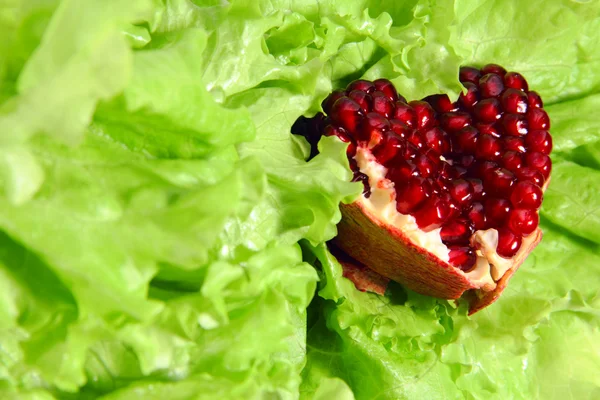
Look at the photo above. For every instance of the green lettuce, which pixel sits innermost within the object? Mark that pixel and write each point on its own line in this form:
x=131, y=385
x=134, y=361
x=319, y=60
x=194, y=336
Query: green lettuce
x=162, y=235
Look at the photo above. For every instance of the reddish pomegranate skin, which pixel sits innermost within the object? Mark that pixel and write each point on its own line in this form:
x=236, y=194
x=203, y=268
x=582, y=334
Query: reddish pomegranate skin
x=480, y=162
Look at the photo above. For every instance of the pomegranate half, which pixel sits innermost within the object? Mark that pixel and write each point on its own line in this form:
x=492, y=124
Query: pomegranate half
x=451, y=189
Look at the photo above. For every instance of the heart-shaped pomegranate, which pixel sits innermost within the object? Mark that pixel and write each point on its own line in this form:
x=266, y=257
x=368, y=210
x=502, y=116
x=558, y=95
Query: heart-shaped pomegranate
x=452, y=189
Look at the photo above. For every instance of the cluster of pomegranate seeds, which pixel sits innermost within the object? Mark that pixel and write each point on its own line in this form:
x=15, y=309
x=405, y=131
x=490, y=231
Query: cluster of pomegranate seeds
x=477, y=163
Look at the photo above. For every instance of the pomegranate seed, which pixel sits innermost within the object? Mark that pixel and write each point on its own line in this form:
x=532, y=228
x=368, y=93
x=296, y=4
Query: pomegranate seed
x=523, y=221
x=455, y=209
x=491, y=85
x=409, y=153
x=489, y=129
x=425, y=165
x=498, y=182
x=466, y=140
x=526, y=195
x=512, y=161
x=461, y=191
x=433, y=214
x=440, y=103
x=347, y=113
x=539, y=140
x=416, y=139
x=388, y=148
x=400, y=128
x=385, y=86
x=478, y=190
x=540, y=162
x=538, y=119
x=487, y=110
x=493, y=69
x=516, y=81
x=477, y=216
x=410, y=195
x=471, y=97
x=438, y=185
x=454, y=121
x=446, y=171
x=402, y=171
x=372, y=129
x=527, y=174
x=364, y=179
x=458, y=231
x=466, y=160
x=480, y=169
x=488, y=148
x=508, y=243
x=514, y=124
x=361, y=84
x=332, y=130
x=496, y=211
x=382, y=105
x=351, y=152
x=437, y=140
x=405, y=113
x=514, y=144
x=534, y=100
x=460, y=171
x=463, y=258
x=331, y=99
x=469, y=74
x=514, y=101
x=363, y=99
x=424, y=112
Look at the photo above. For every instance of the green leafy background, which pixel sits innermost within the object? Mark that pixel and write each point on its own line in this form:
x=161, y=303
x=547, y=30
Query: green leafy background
x=162, y=235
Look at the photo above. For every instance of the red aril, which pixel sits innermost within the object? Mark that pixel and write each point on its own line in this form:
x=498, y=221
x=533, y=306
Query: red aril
x=491, y=85
x=363, y=99
x=540, y=162
x=469, y=98
x=458, y=231
x=405, y=113
x=454, y=121
x=488, y=110
x=346, y=113
x=496, y=211
x=469, y=74
x=539, y=140
x=462, y=257
x=514, y=101
x=361, y=84
x=387, y=88
x=382, y=105
x=514, y=125
x=508, y=243
x=424, y=113
x=410, y=195
x=441, y=103
x=526, y=195
x=538, y=119
x=527, y=174
x=516, y=81
x=493, y=69
x=523, y=221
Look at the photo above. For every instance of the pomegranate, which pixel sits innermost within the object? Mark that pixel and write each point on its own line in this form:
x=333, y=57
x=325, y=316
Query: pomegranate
x=451, y=189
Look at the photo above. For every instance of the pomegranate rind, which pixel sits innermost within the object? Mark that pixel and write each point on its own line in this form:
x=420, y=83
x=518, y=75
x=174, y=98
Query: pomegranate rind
x=387, y=250
x=364, y=278
x=478, y=300
x=373, y=252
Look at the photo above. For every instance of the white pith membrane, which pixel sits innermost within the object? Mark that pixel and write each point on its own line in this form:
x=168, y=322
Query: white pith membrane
x=489, y=267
